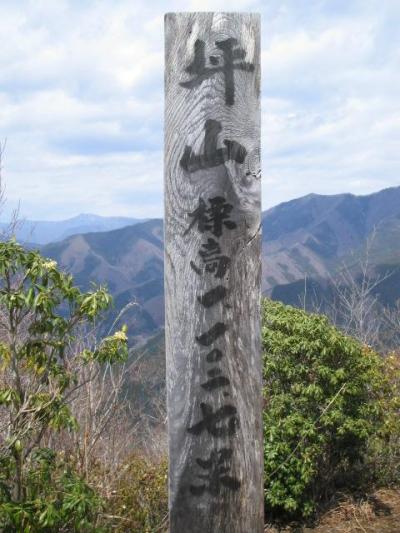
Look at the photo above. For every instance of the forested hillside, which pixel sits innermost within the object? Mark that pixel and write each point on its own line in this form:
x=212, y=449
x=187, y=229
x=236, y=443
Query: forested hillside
x=309, y=238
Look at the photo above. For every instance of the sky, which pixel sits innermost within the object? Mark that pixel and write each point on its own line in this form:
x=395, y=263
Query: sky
x=81, y=101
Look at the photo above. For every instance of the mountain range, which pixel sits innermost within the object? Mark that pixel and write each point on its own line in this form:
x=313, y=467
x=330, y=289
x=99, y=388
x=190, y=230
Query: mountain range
x=307, y=238
x=129, y=261
x=313, y=237
x=43, y=231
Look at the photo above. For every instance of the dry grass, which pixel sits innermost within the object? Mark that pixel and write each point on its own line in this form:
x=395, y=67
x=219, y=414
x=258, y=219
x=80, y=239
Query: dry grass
x=379, y=512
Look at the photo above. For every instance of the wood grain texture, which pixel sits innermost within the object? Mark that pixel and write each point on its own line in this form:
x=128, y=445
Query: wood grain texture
x=213, y=318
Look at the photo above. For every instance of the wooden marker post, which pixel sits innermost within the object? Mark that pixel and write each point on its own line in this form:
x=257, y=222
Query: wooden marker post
x=212, y=272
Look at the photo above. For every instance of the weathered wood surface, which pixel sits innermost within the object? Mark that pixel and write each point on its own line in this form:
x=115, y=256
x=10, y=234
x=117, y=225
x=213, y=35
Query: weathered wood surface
x=212, y=166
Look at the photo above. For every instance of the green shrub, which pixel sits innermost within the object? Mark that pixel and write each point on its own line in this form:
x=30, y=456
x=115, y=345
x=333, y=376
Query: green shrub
x=384, y=448
x=140, y=498
x=55, y=499
x=322, y=404
x=40, y=369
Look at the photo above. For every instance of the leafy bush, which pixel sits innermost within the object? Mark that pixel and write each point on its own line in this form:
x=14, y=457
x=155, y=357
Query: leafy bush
x=384, y=449
x=140, y=498
x=56, y=498
x=40, y=370
x=322, y=404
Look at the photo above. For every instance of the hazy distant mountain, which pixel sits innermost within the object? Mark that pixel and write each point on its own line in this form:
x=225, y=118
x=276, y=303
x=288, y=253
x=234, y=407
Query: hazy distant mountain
x=43, y=232
x=129, y=260
x=315, y=235
x=308, y=237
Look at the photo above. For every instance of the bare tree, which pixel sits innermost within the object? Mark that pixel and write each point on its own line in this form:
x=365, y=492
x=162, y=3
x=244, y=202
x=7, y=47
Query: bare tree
x=111, y=425
x=353, y=303
x=14, y=223
x=391, y=317
x=356, y=306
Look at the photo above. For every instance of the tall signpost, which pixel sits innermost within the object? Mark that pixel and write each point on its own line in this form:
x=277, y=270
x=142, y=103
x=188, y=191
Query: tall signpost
x=212, y=272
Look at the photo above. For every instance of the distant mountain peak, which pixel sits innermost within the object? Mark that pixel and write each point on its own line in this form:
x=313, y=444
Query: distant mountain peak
x=91, y=217
x=47, y=231
x=87, y=216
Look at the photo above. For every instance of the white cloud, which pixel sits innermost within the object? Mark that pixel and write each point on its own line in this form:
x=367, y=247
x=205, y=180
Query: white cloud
x=331, y=115
x=81, y=100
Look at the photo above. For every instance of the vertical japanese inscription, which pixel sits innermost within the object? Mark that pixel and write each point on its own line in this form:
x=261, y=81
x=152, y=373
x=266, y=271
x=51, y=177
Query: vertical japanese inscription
x=231, y=60
x=212, y=267
x=214, y=217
